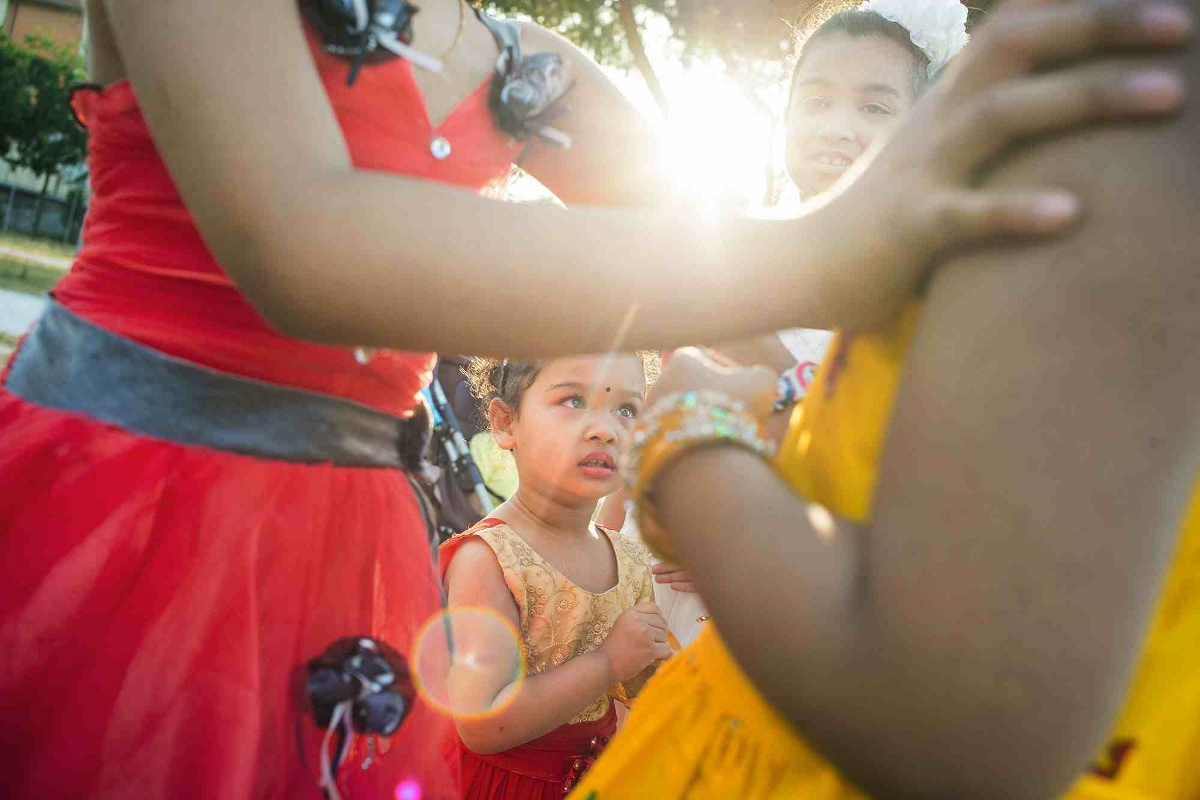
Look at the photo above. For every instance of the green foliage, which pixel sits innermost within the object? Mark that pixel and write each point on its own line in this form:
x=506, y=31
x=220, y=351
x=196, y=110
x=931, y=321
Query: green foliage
x=591, y=24
x=37, y=129
x=738, y=31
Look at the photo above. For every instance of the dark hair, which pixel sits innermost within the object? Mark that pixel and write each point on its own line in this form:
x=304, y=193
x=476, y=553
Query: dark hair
x=862, y=24
x=506, y=379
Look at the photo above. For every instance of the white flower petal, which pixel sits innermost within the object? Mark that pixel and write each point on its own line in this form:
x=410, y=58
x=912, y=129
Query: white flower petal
x=937, y=27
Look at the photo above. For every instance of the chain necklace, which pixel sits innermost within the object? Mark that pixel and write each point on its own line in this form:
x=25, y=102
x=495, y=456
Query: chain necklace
x=462, y=26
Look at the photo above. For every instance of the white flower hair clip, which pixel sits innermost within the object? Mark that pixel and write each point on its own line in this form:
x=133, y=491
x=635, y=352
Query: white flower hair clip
x=937, y=27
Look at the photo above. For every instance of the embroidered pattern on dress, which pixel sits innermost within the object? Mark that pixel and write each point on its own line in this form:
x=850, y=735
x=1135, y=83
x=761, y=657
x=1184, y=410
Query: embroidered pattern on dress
x=559, y=620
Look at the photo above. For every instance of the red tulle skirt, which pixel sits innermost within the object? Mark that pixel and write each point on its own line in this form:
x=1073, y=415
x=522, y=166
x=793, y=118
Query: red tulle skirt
x=159, y=602
x=544, y=769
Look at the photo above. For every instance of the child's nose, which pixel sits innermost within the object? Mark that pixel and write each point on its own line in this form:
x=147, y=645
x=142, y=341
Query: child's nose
x=602, y=429
x=836, y=127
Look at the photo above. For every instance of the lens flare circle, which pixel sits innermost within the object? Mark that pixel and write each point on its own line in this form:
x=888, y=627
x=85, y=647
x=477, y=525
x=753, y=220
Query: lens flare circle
x=462, y=657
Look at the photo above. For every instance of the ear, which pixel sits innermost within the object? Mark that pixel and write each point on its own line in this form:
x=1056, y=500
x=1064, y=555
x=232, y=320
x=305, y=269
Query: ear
x=501, y=419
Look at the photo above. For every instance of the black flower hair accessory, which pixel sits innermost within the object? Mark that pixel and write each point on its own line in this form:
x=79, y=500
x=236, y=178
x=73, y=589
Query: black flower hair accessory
x=527, y=90
x=527, y=95
x=367, y=31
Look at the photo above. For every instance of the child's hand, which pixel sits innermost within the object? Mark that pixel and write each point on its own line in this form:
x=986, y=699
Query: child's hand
x=673, y=576
x=637, y=640
x=690, y=368
x=912, y=199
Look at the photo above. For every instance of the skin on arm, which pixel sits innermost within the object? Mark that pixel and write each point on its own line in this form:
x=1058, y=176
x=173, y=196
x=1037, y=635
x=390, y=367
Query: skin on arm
x=767, y=350
x=334, y=254
x=611, y=514
x=603, y=125
x=518, y=712
x=976, y=640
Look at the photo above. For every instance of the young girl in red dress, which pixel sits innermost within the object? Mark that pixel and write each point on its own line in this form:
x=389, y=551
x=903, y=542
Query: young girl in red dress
x=580, y=596
x=204, y=465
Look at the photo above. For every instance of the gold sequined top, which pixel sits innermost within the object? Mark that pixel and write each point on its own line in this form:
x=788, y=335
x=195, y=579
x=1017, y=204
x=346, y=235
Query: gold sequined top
x=560, y=620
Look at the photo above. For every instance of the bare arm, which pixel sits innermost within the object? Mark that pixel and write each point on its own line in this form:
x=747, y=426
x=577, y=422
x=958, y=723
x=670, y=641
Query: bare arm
x=766, y=350
x=508, y=713
x=339, y=255
x=612, y=511
x=616, y=158
x=976, y=640
x=328, y=252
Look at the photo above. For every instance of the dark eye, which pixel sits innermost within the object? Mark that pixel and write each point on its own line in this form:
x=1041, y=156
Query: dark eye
x=628, y=411
x=877, y=108
x=574, y=401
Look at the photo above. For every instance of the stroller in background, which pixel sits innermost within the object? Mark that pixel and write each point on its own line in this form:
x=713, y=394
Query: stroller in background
x=462, y=497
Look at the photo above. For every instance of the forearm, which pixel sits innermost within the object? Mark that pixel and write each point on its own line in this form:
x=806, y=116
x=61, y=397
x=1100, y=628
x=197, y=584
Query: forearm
x=591, y=279
x=767, y=350
x=612, y=511
x=723, y=499
x=533, y=707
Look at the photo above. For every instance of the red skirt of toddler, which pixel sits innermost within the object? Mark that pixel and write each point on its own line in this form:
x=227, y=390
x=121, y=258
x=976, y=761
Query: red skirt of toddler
x=544, y=769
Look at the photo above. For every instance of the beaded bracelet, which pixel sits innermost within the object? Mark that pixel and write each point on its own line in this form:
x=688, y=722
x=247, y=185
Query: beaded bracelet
x=677, y=423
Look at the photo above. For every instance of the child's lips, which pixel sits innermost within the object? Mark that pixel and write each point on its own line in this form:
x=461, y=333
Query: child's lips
x=598, y=465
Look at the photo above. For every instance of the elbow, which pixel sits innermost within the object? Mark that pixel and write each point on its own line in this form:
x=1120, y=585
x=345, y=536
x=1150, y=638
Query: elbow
x=293, y=313
x=278, y=282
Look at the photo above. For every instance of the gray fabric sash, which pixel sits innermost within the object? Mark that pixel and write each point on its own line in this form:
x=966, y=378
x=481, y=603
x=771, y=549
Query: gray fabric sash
x=71, y=364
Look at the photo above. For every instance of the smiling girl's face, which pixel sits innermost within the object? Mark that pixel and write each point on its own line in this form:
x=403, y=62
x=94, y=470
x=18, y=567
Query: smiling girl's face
x=847, y=90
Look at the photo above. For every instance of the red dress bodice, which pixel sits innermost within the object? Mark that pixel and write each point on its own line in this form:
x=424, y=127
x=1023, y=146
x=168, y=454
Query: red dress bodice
x=144, y=271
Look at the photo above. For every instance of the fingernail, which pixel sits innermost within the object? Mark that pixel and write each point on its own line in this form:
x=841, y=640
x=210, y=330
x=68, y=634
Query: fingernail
x=1166, y=20
x=1053, y=207
x=1156, y=90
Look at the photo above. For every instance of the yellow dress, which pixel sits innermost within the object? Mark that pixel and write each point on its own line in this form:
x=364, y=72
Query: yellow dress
x=559, y=620
x=701, y=730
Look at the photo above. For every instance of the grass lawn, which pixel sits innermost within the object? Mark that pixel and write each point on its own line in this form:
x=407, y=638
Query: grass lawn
x=7, y=344
x=22, y=276
x=41, y=247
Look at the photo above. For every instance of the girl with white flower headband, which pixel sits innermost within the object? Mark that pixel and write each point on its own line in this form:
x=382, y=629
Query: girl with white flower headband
x=821, y=612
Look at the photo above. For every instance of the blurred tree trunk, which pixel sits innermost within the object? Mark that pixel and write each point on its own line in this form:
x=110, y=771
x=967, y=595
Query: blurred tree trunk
x=633, y=37
x=41, y=205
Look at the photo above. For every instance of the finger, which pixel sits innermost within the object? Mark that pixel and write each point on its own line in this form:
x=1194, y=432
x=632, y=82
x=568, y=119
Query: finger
x=1014, y=41
x=759, y=388
x=1051, y=102
x=971, y=217
x=677, y=580
x=718, y=358
x=647, y=608
x=663, y=568
x=662, y=651
x=655, y=621
x=688, y=358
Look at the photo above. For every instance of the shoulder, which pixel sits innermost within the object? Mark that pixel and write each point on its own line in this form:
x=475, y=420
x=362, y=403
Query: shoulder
x=535, y=39
x=491, y=541
x=630, y=551
x=471, y=555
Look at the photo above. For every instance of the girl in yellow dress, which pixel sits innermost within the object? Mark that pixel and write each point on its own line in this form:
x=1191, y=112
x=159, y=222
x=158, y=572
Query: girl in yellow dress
x=701, y=728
